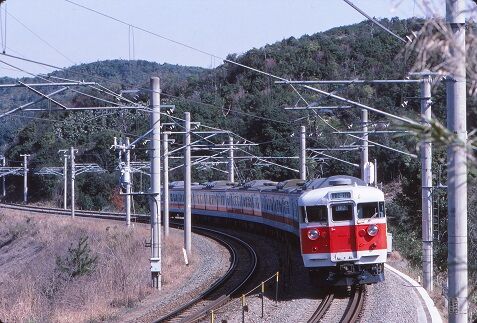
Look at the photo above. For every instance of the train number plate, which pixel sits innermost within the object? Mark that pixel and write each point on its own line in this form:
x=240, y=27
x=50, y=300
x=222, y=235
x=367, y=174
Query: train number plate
x=341, y=195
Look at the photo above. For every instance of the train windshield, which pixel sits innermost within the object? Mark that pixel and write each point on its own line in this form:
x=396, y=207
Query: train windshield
x=371, y=210
x=342, y=212
x=315, y=213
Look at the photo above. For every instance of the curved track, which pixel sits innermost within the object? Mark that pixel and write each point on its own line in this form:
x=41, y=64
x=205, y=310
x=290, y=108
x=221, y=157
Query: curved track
x=322, y=308
x=244, y=262
x=353, y=309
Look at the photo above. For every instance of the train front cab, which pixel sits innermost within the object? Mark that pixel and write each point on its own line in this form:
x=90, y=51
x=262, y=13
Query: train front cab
x=343, y=235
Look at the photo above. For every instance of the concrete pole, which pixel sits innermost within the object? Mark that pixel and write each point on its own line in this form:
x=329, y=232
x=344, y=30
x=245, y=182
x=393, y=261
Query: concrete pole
x=426, y=189
x=457, y=263
x=128, y=185
x=230, y=166
x=364, y=145
x=155, y=148
x=72, y=177
x=25, y=178
x=65, y=181
x=165, y=167
x=4, y=164
x=303, y=153
x=187, y=188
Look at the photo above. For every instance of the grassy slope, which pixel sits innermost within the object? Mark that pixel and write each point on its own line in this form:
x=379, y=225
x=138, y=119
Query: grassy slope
x=32, y=288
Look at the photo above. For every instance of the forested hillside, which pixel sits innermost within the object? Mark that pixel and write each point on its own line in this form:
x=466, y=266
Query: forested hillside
x=116, y=74
x=252, y=105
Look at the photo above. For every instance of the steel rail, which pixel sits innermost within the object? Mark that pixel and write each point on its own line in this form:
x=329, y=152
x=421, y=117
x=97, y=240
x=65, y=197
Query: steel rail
x=183, y=314
x=355, y=305
x=322, y=308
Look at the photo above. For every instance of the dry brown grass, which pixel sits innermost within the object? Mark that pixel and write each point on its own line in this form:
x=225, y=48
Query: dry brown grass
x=31, y=289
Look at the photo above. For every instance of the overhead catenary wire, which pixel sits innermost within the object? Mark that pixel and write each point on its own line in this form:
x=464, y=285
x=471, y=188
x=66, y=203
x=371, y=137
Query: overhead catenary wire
x=375, y=21
x=228, y=60
x=37, y=36
x=162, y=93
x=187, y=46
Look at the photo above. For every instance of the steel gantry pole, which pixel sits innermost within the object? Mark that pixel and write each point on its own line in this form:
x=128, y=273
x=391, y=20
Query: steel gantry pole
x=65, y=181
x=127, y=176
x=457, y=263
x=364, y=149
x=187, y=188
x=230, y=165
x=303, y=153
x=165, y=185
x=72, y=177
x=155, y=148
x=426, y=188
x=25, y=178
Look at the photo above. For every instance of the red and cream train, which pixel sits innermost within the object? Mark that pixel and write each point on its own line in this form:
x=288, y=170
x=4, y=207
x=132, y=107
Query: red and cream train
x=340, y=221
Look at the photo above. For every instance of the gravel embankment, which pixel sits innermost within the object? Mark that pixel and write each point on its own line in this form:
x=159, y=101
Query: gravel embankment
x=393, y=301
x=297, y=299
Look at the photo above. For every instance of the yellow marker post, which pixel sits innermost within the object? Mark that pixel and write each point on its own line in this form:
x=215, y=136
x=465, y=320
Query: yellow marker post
x=243, y=308
x=261, y=295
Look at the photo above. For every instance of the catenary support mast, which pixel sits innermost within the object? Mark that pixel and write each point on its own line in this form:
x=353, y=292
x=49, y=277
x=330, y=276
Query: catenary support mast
x=165, y=167
x=426, y=184
x=65, y=180
x=457, y=262
x=302, y=153
x=187, y=188
x=155, y=152
x=25, y=178
x=230, y=165
x=128, y=176
x=72, y=178
x=364, y=145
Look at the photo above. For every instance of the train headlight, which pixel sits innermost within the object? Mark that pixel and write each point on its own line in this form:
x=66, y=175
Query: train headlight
x=372, y=230
x=313, y=234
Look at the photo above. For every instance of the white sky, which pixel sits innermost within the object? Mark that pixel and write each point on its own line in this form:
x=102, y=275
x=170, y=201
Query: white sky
x=215, y=26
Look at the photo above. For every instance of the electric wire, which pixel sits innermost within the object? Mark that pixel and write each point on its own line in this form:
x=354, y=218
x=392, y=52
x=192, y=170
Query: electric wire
x=225, y=59
x=375, y=21
x=193, y=48
x=186, y=45
x=39, y=37
x=334, y=128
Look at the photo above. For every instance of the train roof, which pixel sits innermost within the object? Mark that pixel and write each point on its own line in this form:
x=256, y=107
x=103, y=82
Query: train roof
x=337, y=180
x=321, y=192
x=219, y=185
x=180, y=184
x=258, y=185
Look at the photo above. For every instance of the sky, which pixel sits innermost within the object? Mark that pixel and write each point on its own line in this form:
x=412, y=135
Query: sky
x=62, y=34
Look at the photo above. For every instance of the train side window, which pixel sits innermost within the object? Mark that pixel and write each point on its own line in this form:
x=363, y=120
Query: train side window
x=371, y=210
x=317, y=213
x=342, y=212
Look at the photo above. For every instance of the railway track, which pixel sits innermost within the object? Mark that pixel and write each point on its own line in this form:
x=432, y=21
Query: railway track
x=322, y=308
x=244, y=262
x=352, y=311
x=92, y=214
x=244, y=265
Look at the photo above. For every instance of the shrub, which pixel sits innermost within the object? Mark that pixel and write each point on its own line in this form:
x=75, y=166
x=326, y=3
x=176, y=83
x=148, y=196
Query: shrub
x=79, y=260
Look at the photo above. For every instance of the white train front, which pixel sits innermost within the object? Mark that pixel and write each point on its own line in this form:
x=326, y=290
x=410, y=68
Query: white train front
x=341, y=222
